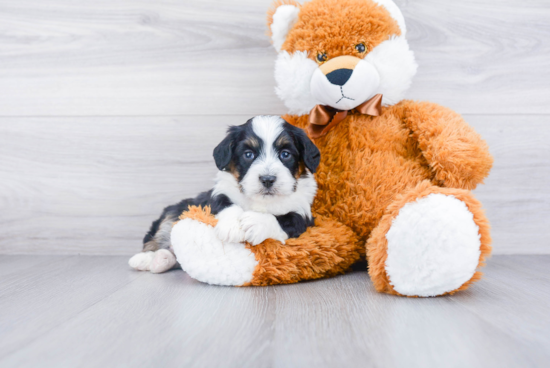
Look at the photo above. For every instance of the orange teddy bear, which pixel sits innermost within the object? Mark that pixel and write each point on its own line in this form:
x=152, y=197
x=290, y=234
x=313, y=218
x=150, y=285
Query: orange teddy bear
x=395, y=175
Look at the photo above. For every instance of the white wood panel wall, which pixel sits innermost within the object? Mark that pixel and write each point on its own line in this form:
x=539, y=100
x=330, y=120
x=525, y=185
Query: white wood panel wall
x=109, y=110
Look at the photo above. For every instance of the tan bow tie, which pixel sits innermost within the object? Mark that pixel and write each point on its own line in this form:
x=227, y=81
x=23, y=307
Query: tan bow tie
x=323, y=118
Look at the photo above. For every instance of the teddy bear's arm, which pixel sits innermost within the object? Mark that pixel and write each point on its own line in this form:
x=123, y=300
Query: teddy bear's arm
x=457, y=154
x=329, y=248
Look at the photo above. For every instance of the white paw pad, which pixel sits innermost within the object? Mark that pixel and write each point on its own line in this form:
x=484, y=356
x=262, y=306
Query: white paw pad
x=163, y=261
x=433, y=246
x=142, y=261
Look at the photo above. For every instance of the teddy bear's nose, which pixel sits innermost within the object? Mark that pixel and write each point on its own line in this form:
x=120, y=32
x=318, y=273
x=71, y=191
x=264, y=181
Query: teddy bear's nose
x=339, y=76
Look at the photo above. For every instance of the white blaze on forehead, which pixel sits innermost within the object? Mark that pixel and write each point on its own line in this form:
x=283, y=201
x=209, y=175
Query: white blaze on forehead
x=268, y=128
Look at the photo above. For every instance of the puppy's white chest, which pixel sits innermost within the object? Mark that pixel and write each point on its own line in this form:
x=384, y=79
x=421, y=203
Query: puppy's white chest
x=258, y=207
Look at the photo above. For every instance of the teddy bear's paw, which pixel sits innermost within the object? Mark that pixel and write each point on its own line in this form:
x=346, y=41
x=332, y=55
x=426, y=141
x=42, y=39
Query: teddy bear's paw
x=206, y=258
x=433, y=246
x=228, y=228
x=163, y=261
x=142, y=261
x=258, y=227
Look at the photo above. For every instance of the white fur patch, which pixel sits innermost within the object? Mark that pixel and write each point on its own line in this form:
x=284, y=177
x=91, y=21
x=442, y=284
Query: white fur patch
x=284, y=18
x=261, y=226
x=207, y=259
x=433, y=246
x=396, y=67
x=141, y=261
x=228, y=228
x=300, y=201
x=268, y=128
x=157, y=262
x=293, y=74
x=164, y=260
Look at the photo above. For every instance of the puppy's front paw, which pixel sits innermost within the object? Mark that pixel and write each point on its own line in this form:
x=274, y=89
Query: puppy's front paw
x=229, y=231
x=258, y=227
x=228, y=228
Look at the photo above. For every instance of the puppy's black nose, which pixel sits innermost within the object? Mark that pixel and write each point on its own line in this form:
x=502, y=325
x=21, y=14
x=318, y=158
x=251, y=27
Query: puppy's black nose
x=268, y=180
x=339, y=76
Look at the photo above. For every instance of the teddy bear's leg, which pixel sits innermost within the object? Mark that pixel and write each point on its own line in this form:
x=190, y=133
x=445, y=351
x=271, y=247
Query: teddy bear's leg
x=327, y=249
x=431, y=241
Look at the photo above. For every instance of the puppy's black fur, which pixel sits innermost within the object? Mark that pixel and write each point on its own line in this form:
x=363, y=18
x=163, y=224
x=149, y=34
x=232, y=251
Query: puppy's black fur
x=293, y=224
x=171, y=213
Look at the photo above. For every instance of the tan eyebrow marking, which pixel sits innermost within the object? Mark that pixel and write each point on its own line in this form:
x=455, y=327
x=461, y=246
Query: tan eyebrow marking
x=252, y=142
x=282, y=140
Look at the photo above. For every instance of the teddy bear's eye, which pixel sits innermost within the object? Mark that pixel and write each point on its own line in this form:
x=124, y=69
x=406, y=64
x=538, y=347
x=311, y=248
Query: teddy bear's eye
x=321, y=57
x=361, y=48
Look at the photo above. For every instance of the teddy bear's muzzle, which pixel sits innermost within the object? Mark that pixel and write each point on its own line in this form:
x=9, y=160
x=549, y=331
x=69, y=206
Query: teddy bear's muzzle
x=345, y=82
x=339, y=70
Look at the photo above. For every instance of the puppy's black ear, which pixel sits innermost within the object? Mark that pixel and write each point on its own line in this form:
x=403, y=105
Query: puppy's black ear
x=224, y=151
x=309, y=151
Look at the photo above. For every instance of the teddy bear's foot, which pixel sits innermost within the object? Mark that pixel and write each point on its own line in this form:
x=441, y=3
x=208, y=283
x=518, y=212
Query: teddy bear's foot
x=431, y=244
x=206, y=258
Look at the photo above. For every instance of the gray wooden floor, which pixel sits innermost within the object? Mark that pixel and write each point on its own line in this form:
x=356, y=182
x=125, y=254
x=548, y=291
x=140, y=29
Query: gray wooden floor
x=92, y=311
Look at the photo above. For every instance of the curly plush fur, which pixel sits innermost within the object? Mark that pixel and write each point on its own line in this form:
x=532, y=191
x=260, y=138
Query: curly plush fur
x=373, y=167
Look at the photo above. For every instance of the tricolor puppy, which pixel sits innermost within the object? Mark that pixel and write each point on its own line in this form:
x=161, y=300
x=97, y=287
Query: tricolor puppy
x=264, y=189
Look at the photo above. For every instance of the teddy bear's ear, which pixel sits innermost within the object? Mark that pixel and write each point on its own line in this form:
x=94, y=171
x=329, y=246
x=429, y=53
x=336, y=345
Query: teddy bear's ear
x=280, y=18
x=395, y=13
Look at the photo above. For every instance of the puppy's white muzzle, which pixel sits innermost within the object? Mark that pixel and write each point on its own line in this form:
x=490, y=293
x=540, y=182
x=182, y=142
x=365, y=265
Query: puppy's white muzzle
x=361, y=85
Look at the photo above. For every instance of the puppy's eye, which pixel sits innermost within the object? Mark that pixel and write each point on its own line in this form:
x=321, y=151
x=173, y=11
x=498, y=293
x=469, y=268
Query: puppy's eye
x=361, y=48
x=284, y=155
x=321, y=57
x=248, y=155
